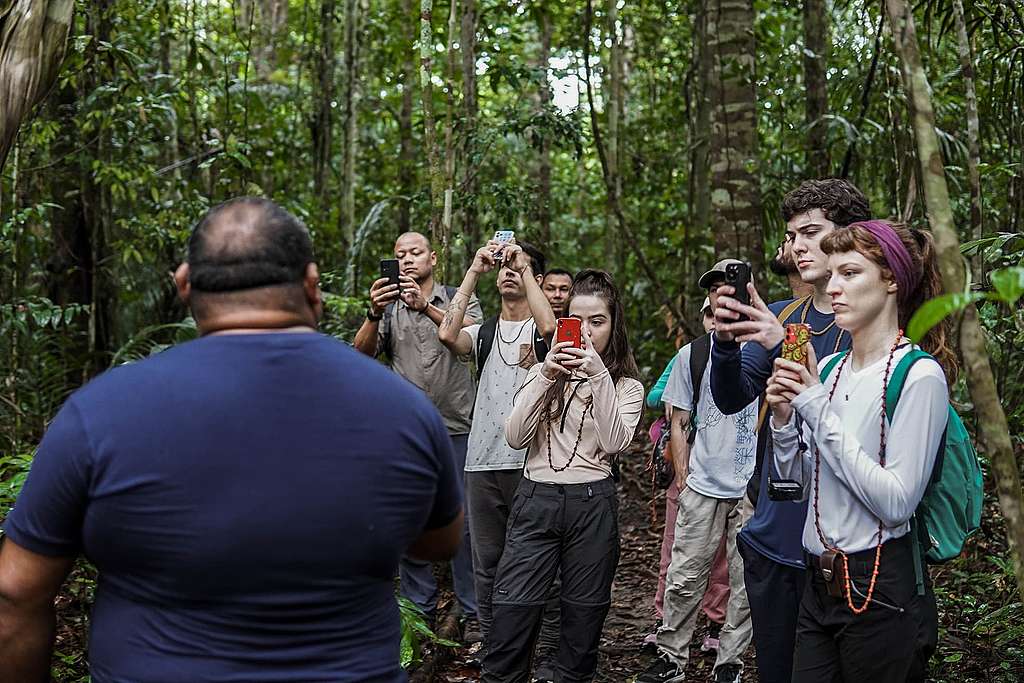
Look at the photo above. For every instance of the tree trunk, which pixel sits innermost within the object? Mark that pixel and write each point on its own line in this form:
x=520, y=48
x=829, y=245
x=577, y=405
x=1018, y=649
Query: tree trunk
x=815, y=51
x=544, y=156
x=429, y=132
x=444, y=257
x=992, y=426
x=322, y=125
x=735, y=189
x=701, y=160
x=347, y=214
x=973, y=143
x=33, y=35
x=613, y=108
x=467, y=41
x=406, y=162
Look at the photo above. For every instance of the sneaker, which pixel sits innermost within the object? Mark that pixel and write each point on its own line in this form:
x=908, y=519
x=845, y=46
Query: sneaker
x=710, y=643
x=729, y=673
x=650, y=643
x=471, y=632
x=661, y=670
x=545, y=673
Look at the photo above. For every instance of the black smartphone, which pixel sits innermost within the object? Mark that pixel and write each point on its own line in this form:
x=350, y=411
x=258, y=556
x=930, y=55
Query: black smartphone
x=785, y=489
x=389, y=269
x=737, y=276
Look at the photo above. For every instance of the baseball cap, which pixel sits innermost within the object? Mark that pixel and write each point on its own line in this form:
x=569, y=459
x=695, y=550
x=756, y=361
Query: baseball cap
x=717, y=272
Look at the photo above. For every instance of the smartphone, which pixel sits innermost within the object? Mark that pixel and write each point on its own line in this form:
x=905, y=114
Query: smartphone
x=737, y=276
x=794, y=344
x=503, y=236
x=569, y=330
x=389, y=269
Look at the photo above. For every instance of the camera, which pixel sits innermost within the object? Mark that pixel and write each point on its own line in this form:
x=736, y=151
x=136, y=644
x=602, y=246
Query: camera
x=785, y=489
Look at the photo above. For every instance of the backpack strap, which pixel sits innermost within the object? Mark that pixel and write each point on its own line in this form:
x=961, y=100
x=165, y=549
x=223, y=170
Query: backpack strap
x=700, y=354
x=484, y=342
x=827, y=370
x=783, y=316
x=918, y=533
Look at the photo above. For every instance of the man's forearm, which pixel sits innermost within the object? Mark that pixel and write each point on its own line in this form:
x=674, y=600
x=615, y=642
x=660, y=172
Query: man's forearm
x=366, y=338
x=677, y=438
x=540, y=307
x=26, y=642
x=450, y=325
x=437, y=316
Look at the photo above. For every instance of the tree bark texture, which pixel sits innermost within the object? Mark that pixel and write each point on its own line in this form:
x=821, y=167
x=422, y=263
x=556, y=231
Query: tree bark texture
x=444, y=255
x=467, y=41
x=322, y=124
x=429, y=132
x=735, y=190
x=406, y=162
x=33, y=35
x=992, y=426
x=816, y=49
x=701, y=160
x=973, y=142
x=353, y=19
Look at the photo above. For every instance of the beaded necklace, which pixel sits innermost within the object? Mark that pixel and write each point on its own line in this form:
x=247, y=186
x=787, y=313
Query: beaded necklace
x=510, y=341
x=881, y=461
x=587, y=406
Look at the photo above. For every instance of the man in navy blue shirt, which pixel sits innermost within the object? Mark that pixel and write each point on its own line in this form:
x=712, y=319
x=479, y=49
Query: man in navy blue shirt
x=246, y=497
x=771, y=546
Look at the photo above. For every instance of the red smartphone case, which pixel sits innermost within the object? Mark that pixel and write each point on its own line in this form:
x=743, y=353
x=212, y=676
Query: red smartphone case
x=569, y=330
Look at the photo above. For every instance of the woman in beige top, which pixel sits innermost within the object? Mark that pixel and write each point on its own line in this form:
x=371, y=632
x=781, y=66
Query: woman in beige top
x=574, y=413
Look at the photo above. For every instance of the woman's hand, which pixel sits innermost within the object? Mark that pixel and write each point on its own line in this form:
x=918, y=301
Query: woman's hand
x=586, y=359
x=789, y=380
x=553, y=362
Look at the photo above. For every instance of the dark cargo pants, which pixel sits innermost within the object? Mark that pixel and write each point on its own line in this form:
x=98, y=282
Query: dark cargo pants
x=567, y=530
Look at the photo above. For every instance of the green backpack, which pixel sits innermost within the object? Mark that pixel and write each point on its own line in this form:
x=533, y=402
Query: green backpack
x=950, y=510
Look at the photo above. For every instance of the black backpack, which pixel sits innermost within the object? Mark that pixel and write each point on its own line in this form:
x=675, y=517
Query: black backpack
x=485, y=340
x=700, y=354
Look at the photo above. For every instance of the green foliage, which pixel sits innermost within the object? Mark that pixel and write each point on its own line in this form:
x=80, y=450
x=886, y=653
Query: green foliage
x=415, y=633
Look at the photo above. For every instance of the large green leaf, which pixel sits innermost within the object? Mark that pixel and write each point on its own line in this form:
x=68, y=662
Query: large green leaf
x=935, y=310
x=1009, y=283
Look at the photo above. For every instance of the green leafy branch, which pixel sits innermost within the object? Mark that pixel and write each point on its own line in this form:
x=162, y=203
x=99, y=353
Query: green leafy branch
x=1008, y=286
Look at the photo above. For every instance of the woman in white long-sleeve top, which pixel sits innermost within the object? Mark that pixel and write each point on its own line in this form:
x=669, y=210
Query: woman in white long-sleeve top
x=861, y=618
x=574, y=413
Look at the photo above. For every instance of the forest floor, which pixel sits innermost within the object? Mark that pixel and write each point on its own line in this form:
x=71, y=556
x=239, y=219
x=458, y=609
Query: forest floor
x=981, y=637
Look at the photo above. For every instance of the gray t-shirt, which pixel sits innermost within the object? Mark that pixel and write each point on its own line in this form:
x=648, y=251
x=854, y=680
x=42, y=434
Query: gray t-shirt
x=507, y=366
x=722, y=455
x=409, y=339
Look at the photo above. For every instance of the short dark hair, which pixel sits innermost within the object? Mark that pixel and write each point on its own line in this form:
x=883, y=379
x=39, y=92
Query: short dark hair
x=537, y=260
x=560, y=271
x=840, y=201
x=247, y=242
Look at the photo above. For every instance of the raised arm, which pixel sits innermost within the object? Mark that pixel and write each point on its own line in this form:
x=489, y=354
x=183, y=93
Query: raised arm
x=540, y=307
x=449, y=329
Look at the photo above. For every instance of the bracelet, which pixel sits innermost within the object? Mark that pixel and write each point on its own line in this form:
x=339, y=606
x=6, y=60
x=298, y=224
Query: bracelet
x=371, y=317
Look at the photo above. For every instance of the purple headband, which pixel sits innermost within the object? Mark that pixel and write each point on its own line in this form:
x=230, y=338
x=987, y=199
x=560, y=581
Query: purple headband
x=896, y=255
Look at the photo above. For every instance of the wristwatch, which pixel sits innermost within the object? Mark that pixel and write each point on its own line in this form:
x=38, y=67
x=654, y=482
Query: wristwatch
x=371, y=317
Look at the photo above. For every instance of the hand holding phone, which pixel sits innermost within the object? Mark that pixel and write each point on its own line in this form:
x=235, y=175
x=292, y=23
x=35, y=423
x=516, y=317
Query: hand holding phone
x=569, y=330
x=389, y=269
x=503, y=236
x=737, y=276
x=794, y=345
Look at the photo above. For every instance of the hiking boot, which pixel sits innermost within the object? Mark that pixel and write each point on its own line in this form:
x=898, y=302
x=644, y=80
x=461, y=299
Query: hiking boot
x=471, y=632
x=545, y=673
x=662, y=670
x=729, y=673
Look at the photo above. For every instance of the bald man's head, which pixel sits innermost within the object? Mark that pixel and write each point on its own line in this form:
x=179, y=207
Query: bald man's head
x=250, y=264
x=245, y=243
